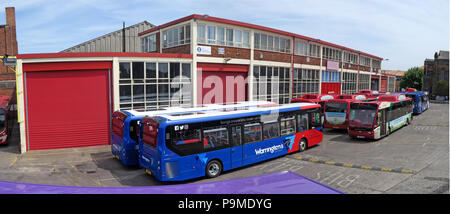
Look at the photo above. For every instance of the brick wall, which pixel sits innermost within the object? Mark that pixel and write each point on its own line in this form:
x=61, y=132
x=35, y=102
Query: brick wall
x=303, y=60
x=272, y=56
x=229, y=52
x=181, y=49
x=8, y=45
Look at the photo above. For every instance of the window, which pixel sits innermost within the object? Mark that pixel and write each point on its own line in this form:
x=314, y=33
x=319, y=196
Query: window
x=349, y=83
x=211, y=34
x=238, y=38
x=364, y=82
x=246, y=39
x=216, y=138
x=252, y=133
x=305, y=81
x=230, y=37
x=287, y=125
x=176, y=36
x=271, y=130
x=257, y=40
x=303, y=124
x=221, y=36
x=201, y=34
x=272, y=43
x=148, y=43
x=271, y=83
x=185, y=142
x=151, y=85
x=332, y=54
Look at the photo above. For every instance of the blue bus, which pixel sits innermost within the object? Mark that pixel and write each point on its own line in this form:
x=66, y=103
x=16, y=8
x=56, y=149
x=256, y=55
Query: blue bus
x=183, y=146
x=126, y=127
x=420, y=99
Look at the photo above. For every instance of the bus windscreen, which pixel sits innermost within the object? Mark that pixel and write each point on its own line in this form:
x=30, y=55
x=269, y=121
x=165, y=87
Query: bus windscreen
x=335, y=107
x=363, y=113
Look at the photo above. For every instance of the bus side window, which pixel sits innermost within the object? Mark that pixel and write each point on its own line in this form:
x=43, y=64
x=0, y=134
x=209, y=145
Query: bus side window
x=287, y=125
x=271, y=130
x=252, y=133
x=215, y=138
x=303, y=123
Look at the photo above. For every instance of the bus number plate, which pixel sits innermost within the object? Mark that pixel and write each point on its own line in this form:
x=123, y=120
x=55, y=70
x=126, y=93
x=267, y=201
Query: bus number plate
x=360, y=137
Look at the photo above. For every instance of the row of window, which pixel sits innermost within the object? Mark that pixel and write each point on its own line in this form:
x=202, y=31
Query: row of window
x=305, y=81
x=364, y=81
x=177, y=36
x=272, y=43
x=306, y=49
x=201, y=139
x=210, y=34
x=151, y=85
x=271, y=83
x=332, y=54
x=331, y=76
x=365, y=61
x=349, y=81
x=400, y=109
x=350, y=58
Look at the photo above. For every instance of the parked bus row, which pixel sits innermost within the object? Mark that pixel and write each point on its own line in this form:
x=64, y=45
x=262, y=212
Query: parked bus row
x=179, y=144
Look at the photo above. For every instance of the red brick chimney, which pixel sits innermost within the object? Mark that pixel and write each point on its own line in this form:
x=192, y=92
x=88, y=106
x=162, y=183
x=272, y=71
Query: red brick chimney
x=11, y=40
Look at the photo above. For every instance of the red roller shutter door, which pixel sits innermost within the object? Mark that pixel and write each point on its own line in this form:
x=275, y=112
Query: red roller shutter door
x=228, y=79
x=67, y=109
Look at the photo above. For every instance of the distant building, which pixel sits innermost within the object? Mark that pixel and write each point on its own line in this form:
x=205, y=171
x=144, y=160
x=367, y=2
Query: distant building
x=434, y=70
x=113, y=42
x=394, y=77
x=8, y=45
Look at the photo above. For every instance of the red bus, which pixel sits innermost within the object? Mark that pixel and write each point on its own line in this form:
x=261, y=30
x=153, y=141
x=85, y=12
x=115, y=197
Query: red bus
x=369, y=93
x=336, y=110
x=376, y=119
x=4, y=109
x=314, y=98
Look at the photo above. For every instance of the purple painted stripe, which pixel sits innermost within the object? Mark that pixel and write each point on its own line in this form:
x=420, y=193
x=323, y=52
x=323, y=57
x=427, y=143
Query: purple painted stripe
x=275, y=183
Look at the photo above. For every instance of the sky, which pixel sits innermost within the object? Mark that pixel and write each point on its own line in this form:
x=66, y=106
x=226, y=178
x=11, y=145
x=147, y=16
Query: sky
x=405, y=32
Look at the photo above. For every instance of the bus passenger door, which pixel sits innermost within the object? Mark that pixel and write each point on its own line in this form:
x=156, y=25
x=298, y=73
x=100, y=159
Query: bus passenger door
x=382, y=121
x=237, y=148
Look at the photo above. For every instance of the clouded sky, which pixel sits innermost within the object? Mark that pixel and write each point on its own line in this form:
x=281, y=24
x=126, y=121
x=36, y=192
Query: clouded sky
x=403, y=31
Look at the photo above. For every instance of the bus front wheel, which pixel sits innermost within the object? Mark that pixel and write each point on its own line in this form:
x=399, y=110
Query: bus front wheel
x=213, y=169
x=302, y=145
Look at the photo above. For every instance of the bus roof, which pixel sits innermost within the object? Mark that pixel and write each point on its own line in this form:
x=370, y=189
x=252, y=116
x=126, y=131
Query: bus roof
x=314, y=98
x=239, y=113
x=386, y=100
x=206, y=107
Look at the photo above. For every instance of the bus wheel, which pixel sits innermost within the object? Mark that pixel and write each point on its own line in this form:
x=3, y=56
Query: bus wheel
x=213, y=169
x=302, y=145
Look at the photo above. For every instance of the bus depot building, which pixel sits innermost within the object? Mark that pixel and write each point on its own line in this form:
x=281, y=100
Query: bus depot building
x=66, y=100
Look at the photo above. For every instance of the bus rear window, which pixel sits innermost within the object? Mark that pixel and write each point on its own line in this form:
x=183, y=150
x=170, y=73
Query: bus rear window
x=118, y=123
x=150, y=133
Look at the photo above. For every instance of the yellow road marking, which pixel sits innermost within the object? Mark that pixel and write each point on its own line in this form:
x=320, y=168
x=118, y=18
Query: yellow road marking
x=386, y=169
x=329, y=162
x=366, y=167
x=347, y=165
x=14, y=161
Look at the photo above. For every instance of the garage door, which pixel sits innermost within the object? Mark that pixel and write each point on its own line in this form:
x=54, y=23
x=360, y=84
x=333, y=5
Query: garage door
x=67, y=108
x=221, y=83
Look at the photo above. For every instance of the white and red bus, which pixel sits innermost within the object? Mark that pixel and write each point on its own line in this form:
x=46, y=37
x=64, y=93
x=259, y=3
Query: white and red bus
x=336, y=110
x=377, y=119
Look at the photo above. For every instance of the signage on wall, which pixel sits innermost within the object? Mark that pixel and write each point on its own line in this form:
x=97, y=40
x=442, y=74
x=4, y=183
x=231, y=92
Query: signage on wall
x=332, y=65
x=221, y=51
x=206, y=50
